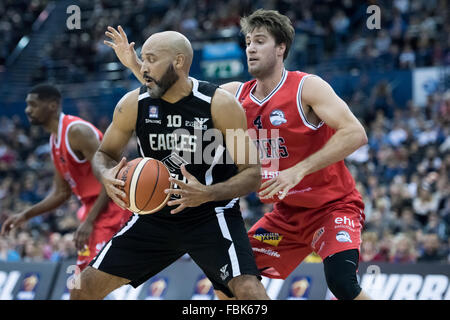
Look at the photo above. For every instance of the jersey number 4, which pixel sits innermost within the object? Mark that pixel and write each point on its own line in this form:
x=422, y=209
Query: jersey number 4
x=258, y=123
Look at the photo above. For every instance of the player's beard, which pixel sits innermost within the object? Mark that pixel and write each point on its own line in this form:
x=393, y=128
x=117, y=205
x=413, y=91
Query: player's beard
x=262, y=71
x=263, y=68
x=167, y=80
x=37, y=121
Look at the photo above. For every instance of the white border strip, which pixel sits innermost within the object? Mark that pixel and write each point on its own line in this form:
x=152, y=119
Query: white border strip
x=57, y=140
x=239, y=91
x=226, y=234
x=270, y=95
x=143, y=96
x=197, y=93
x=133, y=183
x=140, y=147
x=108, y=245
x=69, y=148
x=300, y=107
x=208, y=175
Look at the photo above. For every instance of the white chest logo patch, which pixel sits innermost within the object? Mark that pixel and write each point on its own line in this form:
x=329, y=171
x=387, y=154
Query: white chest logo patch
x=277, y=117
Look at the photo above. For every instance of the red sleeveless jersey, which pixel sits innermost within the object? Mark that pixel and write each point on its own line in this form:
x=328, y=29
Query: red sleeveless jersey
x=77, y=172
x=284, y=137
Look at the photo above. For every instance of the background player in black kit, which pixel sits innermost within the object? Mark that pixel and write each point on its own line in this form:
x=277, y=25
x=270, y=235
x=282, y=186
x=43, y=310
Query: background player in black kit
x=206, y=223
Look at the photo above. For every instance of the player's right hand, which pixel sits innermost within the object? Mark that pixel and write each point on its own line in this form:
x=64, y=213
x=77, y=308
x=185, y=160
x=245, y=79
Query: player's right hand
x=114, y=186
x=13, y=222
x=124, y=50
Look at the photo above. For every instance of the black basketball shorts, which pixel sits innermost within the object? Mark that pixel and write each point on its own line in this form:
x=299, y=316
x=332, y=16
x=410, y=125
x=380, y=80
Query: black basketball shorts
x=217, y=243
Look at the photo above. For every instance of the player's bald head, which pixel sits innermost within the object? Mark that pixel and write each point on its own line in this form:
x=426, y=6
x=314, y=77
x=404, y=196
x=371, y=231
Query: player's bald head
x=172, y=43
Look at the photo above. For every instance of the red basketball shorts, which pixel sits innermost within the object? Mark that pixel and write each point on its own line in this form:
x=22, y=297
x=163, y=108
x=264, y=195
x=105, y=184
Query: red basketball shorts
x=109, y=221
x=283, y=238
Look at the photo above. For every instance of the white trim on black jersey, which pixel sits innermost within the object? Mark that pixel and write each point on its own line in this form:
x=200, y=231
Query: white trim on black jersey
x=143, y=95
x=105, y=249
x=140, y=147
x=197, y=93
x=208, y=174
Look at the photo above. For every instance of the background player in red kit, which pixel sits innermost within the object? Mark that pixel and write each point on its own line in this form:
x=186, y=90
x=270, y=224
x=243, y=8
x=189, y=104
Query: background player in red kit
x=303, y=131
x=73, y=143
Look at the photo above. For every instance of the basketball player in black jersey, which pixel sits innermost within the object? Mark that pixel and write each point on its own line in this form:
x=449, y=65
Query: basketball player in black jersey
x=170, y=114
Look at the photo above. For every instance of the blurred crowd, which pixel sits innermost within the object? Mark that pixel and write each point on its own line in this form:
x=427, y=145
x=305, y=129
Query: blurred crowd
x=413, y=33
x=16, y=20
x=402, y=173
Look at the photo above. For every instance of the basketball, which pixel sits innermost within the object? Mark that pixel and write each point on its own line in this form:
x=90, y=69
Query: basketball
x=145, y=181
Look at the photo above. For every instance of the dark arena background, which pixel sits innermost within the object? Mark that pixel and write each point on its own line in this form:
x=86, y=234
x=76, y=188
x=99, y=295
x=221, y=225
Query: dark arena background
x=389, y=60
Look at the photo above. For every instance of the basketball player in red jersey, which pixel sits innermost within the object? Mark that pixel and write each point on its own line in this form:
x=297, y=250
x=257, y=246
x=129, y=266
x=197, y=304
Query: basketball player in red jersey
x=304, y=131
x=73, y=144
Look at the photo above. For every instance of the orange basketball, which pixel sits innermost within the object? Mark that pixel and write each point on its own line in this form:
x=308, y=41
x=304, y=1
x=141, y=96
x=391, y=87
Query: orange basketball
x=145, y=182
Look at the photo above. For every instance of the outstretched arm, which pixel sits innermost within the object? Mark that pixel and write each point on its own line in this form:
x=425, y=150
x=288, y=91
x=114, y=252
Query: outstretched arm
x=349, y=136
x=328, y=106
x=59, y=194
x=107, y=160
x=85, y=142
x=124, y=51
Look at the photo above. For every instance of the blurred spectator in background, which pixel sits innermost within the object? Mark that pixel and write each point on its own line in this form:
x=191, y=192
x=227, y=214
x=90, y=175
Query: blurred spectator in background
x=431, y=249
x=372, y=250
x=7, y=253
x=403, y=249
x=425, y=203
x=407, y=223
x=437, y=226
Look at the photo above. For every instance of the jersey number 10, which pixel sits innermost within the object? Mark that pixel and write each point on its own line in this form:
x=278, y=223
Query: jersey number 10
x=173, y=121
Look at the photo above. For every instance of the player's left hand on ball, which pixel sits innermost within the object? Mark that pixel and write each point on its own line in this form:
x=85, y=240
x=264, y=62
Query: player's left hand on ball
x=113, y=186
x=280, y=185
x=192, y=193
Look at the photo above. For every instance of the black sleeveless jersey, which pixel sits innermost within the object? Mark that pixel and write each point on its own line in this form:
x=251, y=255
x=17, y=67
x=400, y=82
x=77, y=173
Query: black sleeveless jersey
x=183, y=133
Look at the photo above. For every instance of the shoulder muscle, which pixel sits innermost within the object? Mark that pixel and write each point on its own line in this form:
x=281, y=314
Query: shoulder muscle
x=226, y=111
x=231, y=87
x=83, y=138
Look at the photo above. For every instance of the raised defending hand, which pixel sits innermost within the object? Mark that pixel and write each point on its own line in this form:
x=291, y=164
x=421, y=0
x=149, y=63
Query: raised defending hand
x=124, y=50
x=192, y=193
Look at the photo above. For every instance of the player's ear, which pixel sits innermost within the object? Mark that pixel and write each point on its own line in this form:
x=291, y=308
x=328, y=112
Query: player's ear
x=54, y=105
x=180, y=60
x=281, y=48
